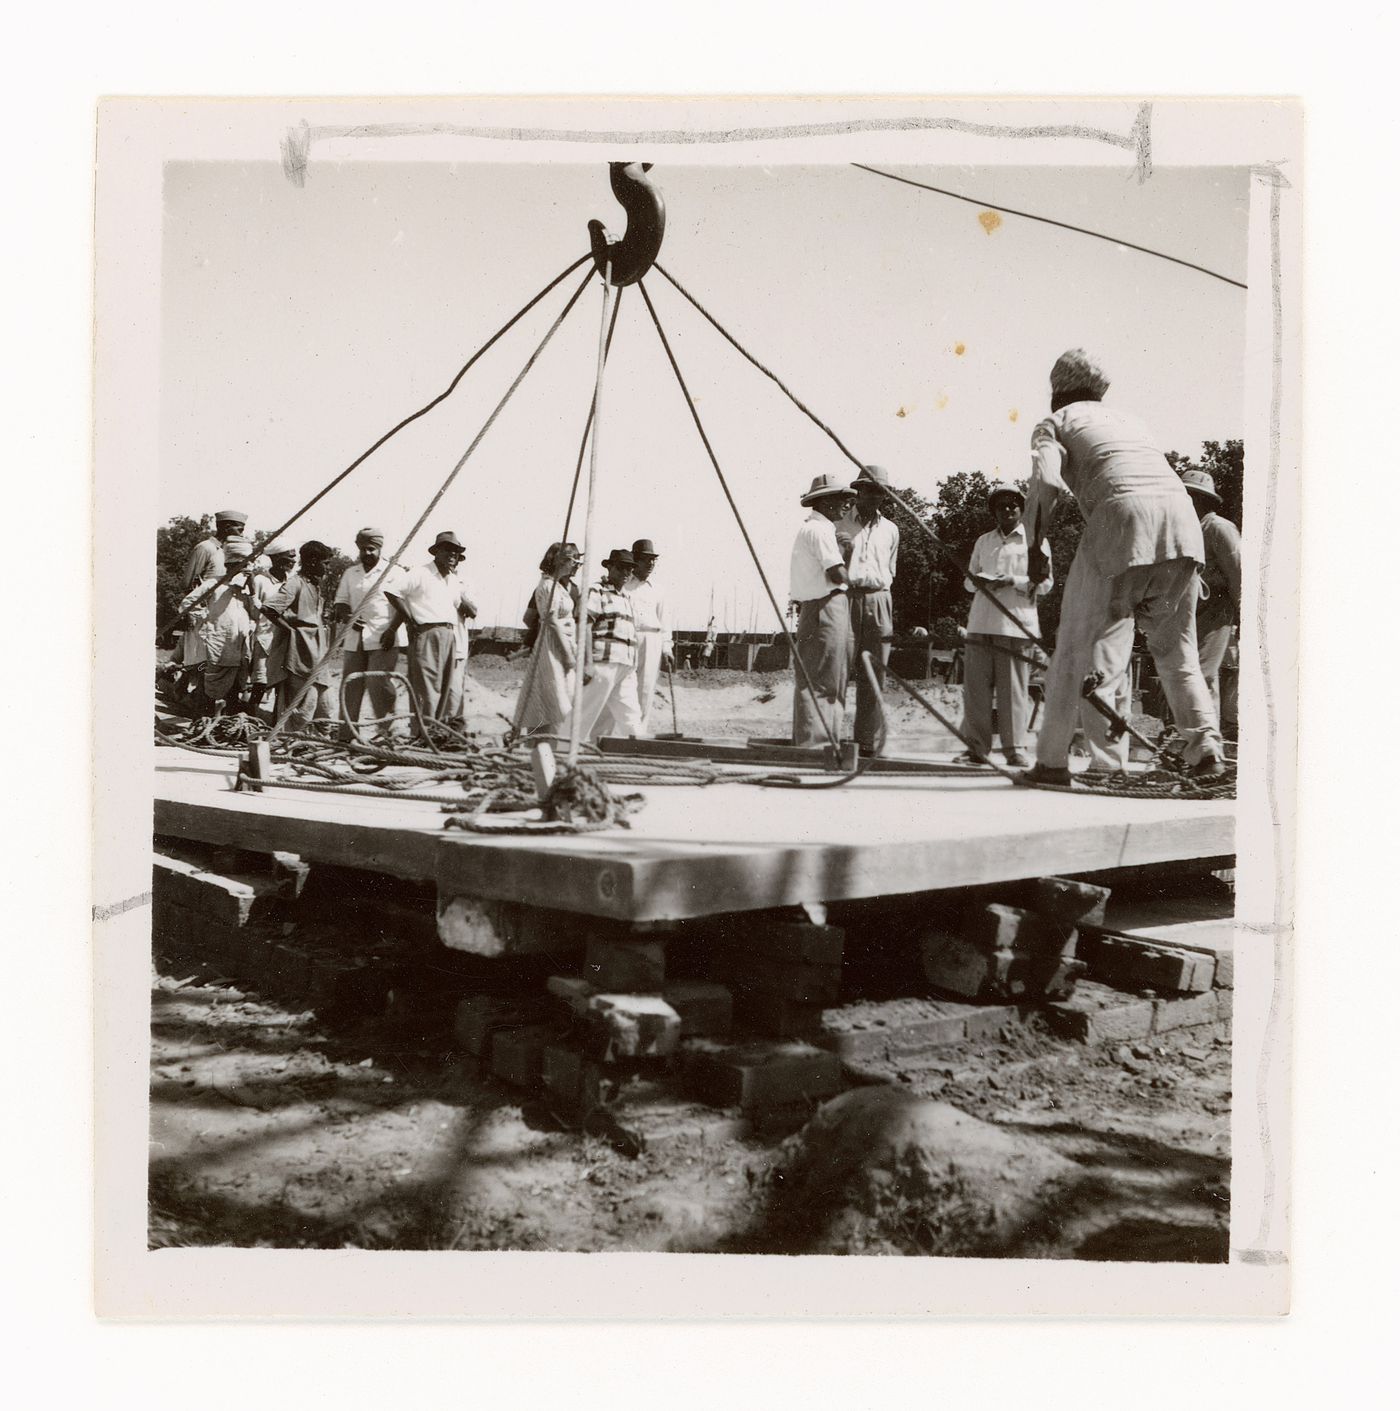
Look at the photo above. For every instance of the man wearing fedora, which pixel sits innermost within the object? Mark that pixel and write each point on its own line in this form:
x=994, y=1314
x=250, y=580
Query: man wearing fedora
x=652, y=621
x=997, y=659
x=609, y=701
x=1136, y=563
x=432, y=603
x=1218, y=601
x=870, y=568
x=818, y=584
x=370, y=644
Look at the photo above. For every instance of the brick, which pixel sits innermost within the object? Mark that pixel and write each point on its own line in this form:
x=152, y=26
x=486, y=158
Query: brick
x=634, y=1026
x=775, y=1016
x=706, y=1009
x=1135, y=963
x=517, y=1055
x=231, y=901
x=959, y=967
x=761, y=1075
x=809, y=984
x=480, y=1017
x=794, y=942
x=625, y=967
x=1064, y=902
x=291, y=872
x=1184, y=1012
x=1098, y=1015
x=995, y=928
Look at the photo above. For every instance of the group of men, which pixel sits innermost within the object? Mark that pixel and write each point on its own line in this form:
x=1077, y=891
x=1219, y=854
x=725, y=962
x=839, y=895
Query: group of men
x=1155, y=553
x=260, y=625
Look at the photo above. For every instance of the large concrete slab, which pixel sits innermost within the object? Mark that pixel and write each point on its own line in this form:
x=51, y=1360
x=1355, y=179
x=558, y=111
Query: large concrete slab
x=699, y=851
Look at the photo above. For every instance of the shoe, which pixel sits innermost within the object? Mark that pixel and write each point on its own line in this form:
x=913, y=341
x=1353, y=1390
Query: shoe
x=1044, y=774
x=1209, y=767
x=967, y=757
x=1016, y=759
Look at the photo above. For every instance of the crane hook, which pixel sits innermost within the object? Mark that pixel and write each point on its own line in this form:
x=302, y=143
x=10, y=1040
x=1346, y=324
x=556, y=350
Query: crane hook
x=630, y=255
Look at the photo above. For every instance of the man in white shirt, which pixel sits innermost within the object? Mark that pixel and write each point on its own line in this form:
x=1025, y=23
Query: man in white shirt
x=370, y=644
x=653, y=626
x=997, y=659
x=871, y=566
x=818, y=584
x=432, y=603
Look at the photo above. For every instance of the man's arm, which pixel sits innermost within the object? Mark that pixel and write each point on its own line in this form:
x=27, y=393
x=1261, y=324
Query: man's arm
x=1230, y=561
x=399, y=615
x=1042, y=495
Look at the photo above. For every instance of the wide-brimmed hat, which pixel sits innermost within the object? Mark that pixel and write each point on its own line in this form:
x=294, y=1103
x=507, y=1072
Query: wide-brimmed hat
x=873, y=476
x=644, y=548
x=230, y=517
x=1005, y=492
x=822, y=486
x=370, y=536
x=448, y=540
x=1201, y=484
x=622, y=557
x=1077, y=371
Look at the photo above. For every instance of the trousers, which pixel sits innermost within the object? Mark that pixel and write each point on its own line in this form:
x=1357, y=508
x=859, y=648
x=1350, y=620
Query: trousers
x=609, y=704
x=1222, y=674
x=1096, y=633
x=313, y=706
x=996, y=666
x=383, y=691
x=824, y=648
x=872, y=630
x=435, y=671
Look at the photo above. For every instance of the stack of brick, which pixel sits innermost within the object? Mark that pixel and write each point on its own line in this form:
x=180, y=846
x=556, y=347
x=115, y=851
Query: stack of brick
x=784, y=974
x=1024, y=953
x=206, y=920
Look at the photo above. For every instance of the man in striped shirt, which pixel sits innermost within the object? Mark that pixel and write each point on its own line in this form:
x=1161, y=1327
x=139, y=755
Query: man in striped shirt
x=610, y=672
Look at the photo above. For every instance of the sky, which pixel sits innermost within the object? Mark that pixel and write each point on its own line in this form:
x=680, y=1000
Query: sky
x=298, y=324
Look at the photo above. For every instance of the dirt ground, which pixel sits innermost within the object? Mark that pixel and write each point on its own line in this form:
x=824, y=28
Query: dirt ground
x=270, y=1129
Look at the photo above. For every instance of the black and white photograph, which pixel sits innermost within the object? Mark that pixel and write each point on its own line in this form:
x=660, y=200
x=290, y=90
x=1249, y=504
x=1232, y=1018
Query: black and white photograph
x=712, y=678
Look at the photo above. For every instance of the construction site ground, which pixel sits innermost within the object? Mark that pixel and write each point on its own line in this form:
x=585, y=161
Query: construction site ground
x=277, y=1125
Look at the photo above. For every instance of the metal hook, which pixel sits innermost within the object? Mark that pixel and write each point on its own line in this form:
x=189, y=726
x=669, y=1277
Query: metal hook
x=630, y=255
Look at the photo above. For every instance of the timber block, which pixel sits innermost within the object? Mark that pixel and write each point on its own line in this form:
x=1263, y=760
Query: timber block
x=231, y=901
x=480, y=1017
x=625, y=966
x=706, y=1009
x=1214, y=937
x=1136, y=963
x=517, y=1055
x=1097, y=1014
x=802, y=983
x=575, y=1082
x=760, y=1075
x=1064, y=902
x=796, y=943
x=775, y=1016
x=289, y=869
x=1184, y=1012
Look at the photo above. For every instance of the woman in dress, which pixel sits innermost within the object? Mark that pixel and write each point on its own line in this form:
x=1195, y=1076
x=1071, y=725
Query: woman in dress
x=548, y=693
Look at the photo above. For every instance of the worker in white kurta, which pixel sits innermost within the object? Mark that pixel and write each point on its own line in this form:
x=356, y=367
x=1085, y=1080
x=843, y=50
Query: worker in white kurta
x=652, y=621
x=997, y=659
x=1137, y=561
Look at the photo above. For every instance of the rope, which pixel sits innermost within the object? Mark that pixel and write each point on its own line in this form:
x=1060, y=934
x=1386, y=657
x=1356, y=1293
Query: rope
x=1046, y=220
x=378, y=589
x=799, y=665
x=388, y=435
